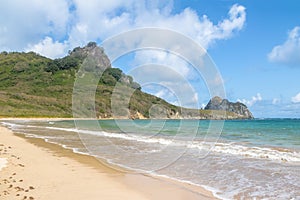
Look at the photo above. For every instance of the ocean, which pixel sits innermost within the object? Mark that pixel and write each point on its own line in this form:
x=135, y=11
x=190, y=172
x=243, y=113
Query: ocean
x=249, y=159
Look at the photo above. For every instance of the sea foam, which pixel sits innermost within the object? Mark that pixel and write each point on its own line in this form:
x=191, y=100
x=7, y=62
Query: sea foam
x=275, y=154
x=281, y=155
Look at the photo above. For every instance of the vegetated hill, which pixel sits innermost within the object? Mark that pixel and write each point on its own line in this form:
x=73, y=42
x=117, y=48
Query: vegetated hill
x=35, y=86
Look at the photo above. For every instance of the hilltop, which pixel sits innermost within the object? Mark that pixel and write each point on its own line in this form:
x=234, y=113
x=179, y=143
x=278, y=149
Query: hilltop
x=217, y=103
x=32, y=85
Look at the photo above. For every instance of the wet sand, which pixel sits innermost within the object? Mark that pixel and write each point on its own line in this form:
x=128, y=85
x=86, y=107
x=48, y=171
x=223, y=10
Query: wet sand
x=40, y=170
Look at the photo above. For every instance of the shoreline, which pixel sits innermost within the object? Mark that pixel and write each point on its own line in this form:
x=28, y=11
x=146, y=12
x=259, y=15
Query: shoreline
x=120, y=184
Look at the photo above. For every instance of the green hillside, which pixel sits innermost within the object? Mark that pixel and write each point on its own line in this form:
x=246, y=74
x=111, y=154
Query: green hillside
x=35, y=86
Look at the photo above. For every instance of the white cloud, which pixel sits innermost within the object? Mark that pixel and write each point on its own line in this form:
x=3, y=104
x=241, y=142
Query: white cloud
x=289, y=52
x=296, y=99
x=105, y=19
x=173, y=63
x=49, y=48
x=77, y=22
x=252, y=101
x=162, y=93
x=195, y=98
x=276, y=101
x=28, y=22
x=183, y=93
x=167, y=83
x=280, y=110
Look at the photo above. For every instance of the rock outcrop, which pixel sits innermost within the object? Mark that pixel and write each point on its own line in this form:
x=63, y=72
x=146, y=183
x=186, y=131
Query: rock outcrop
x=217, y=103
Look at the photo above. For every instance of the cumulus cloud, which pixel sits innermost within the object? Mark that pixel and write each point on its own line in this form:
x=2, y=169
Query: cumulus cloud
x=288, y=53
x=251, y=101
x=296, y=99
x=173, y=63
x=28, y=22
x=25, y=23
x=49, y=48
x=106, y=19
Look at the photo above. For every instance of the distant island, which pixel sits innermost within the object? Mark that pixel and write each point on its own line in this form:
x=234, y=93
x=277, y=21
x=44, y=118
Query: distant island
x=35, y=86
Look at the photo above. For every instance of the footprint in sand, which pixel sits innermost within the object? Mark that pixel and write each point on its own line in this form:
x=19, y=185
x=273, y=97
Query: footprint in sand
x=5, y=181
x=19, y=189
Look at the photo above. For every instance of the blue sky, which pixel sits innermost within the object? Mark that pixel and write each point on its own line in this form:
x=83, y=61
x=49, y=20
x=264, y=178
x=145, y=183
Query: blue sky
x=255, y=44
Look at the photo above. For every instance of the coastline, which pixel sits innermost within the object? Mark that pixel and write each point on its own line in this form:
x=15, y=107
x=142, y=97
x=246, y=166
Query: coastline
x=49, y=171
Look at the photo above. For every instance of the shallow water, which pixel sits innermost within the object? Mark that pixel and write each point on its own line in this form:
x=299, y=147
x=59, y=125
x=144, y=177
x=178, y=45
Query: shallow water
x=250, y=159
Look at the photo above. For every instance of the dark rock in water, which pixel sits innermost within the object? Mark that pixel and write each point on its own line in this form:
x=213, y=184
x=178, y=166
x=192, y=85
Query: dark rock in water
x=217, y=103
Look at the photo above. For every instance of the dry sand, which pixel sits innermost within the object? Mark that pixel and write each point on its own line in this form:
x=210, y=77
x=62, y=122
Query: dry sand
x=39, y=170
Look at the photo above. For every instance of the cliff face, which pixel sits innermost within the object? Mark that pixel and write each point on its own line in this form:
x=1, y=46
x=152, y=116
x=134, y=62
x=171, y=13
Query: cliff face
x=238, y=108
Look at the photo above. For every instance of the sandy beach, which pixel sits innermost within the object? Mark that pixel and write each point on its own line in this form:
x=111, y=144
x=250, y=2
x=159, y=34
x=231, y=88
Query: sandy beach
x=39, y=170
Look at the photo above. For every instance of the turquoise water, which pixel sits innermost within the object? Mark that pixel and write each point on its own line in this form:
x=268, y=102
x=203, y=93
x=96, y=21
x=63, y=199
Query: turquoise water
x=248, y=159
x=283, y=133
x=273, y=132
